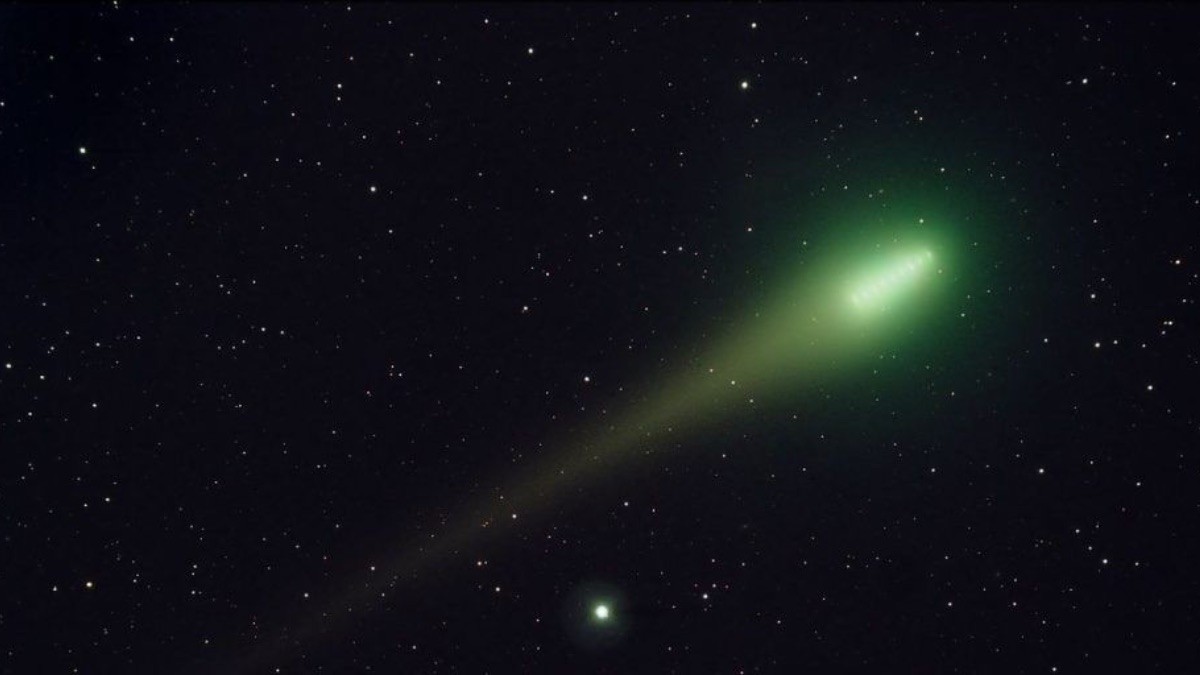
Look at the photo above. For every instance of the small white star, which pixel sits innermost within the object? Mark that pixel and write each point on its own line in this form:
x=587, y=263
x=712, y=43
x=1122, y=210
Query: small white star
x=745, y=84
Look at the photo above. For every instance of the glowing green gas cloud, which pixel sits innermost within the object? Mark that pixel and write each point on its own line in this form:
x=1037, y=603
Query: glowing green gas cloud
x=880, y=289
x=836, y=309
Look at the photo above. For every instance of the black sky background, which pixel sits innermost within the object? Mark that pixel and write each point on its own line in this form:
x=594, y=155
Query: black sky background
x=234, y=375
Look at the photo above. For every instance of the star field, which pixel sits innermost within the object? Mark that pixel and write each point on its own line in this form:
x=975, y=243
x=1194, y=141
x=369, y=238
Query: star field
x=455, y=338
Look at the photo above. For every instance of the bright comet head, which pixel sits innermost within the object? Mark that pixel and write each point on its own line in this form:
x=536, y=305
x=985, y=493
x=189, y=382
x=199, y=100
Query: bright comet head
x=879, y=287
x=601, y=612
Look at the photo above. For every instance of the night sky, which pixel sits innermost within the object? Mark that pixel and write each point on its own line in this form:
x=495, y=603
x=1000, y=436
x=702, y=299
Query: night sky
x=409, y=339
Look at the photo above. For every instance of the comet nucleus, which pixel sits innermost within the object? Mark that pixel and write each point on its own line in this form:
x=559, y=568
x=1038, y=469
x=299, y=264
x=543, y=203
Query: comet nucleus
x=879, y=288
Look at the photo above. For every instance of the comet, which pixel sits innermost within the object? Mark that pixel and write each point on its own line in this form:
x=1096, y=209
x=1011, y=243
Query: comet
x=878, y=291
x=809, y=326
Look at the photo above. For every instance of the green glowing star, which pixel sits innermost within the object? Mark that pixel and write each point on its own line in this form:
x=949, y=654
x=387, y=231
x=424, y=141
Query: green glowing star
x=601, y=612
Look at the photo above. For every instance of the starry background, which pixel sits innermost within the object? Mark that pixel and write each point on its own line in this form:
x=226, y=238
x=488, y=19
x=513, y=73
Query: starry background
x=284, y=285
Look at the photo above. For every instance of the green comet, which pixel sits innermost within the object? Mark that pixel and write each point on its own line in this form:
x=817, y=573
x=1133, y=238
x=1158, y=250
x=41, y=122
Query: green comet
x=881, y=289
x=814, y=323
